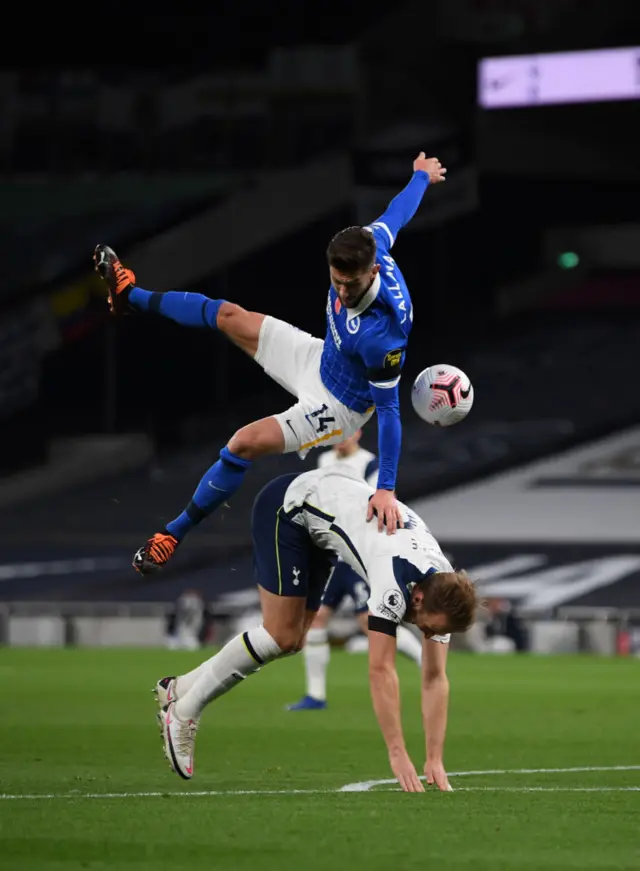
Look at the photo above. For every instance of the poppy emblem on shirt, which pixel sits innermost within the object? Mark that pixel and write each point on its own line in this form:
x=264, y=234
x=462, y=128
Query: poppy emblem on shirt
x=337, y=306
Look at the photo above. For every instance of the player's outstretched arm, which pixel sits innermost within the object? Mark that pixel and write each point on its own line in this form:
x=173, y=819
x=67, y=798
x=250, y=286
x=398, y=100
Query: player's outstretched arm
x=385, y=695
x=383, y=371
x=435, y=704
x=426, y=171
x=383, y=504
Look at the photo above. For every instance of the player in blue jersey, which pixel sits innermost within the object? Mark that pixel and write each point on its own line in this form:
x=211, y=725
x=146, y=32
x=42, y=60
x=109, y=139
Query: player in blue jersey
x=338, y=383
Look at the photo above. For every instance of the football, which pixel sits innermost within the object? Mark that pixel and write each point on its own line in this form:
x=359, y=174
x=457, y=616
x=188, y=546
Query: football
x=442, y=395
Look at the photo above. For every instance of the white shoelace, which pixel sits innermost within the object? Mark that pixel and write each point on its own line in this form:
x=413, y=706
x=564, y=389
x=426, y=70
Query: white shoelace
x=185, y=736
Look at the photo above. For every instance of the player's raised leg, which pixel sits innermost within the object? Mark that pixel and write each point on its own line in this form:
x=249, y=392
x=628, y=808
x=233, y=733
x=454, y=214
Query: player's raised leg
x=291, y=357
x=217, y=485
x=286, y=354
x=260, y=438
x=280, y=634
x=241, y=326
x=169, y=689
x=291, y=576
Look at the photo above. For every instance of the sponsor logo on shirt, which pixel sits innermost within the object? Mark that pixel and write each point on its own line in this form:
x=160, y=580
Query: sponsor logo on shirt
x=393, y=359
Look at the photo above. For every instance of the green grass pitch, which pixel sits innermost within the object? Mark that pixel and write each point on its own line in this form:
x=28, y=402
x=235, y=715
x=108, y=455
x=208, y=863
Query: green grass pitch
x=79, y=723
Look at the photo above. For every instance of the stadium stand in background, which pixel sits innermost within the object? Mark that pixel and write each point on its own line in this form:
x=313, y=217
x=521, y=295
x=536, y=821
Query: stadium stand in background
x=523, y=268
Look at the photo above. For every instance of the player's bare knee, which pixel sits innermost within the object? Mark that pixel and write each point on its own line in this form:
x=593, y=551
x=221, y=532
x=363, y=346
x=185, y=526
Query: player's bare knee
x=228, y=315
x=241, y=326
x=248, y=443
x=289, y=639
x=243, y=443
x=257, y=440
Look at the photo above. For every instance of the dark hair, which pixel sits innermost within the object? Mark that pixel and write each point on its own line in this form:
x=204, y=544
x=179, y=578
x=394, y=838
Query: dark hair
x=453, y=594
x=352, y=250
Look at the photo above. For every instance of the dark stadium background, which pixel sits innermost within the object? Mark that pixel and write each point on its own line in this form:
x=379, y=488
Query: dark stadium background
x=144, y=125
x=144, y=406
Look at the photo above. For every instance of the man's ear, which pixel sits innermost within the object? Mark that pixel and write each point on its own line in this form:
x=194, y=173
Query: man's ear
x=417, y=597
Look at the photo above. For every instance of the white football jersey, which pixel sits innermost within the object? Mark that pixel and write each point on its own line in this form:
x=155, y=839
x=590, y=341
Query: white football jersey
x=363, y=462
x=331, y=504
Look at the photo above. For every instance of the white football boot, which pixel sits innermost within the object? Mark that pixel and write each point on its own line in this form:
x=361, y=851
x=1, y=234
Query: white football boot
x=179, y=738
x=165, y=692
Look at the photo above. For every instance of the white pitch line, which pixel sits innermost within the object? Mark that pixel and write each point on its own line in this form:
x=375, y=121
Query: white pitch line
x=166, y=794
x=547, y=770
x=363, y=786
x=366, y=785
x=547, y=789
x=231, y=792
x=530, y=789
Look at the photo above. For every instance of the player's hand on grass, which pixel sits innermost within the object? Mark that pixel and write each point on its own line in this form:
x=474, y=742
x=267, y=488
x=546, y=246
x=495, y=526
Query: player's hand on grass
x=436, y=775
x=405, y=771
x=384, y=505
x=432, y=165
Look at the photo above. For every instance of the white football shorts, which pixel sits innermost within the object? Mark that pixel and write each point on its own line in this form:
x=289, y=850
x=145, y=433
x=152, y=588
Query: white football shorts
x=292, y=358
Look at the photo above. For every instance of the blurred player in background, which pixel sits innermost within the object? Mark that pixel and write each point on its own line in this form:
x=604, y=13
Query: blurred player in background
x=298, y=522
x=343, y=583
x=189, y=622
x=338, y=382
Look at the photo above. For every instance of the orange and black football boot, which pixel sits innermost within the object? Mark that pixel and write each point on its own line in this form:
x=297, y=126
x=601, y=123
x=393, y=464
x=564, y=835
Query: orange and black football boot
x=119, y=280
x=155, y=553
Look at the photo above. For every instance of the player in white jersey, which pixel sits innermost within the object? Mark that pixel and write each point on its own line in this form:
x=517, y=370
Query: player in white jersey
x=343, y=584
x=297, y=523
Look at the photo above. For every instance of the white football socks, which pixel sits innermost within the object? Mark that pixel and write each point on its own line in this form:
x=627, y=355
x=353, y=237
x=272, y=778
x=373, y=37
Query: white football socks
x=408, y=644
x=186, y=681
x=240, y=657
x=316, y=659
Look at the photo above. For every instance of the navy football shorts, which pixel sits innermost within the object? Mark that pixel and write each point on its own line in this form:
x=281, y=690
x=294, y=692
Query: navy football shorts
x=343, y=583
x=286, y=562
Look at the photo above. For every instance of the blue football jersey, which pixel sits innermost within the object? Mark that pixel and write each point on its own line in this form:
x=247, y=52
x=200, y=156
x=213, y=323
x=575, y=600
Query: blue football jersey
x=365, y=346
x=363, y=342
